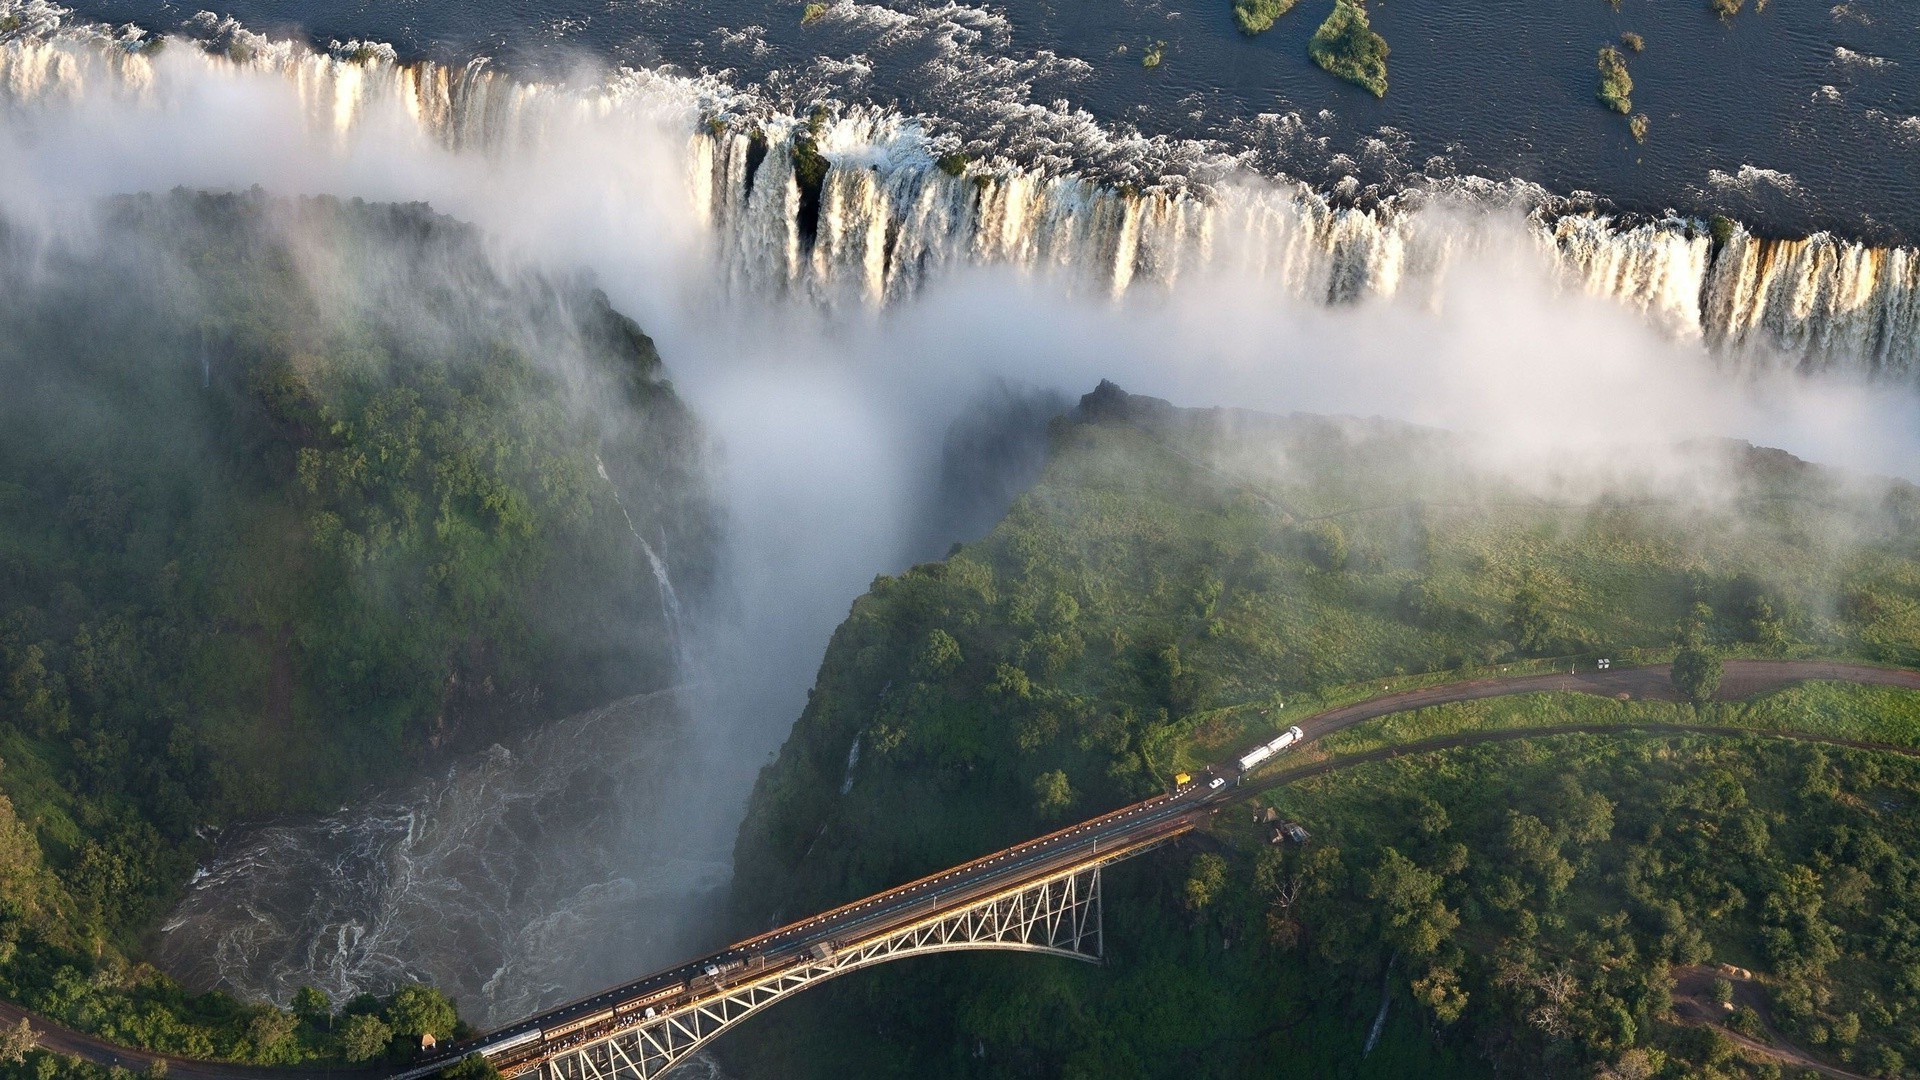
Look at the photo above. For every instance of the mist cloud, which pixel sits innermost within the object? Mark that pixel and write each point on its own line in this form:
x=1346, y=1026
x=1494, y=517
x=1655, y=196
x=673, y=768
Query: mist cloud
x=829, y=421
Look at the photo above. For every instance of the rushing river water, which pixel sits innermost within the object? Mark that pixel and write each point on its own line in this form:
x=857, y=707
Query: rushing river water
x=1797, y=116
x=812, y=325
x=514, y=878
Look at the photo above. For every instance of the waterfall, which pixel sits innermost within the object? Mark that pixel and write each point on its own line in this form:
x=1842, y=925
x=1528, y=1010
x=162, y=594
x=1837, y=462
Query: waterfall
x=670, y=610
x=892, y=215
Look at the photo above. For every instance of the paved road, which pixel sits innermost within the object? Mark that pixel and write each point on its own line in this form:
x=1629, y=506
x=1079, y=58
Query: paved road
x=1740, y=679
x=1139, y=825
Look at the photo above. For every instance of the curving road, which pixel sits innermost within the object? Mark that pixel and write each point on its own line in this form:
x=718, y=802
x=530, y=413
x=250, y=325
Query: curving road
x=1140, y=825
x=1740, y=679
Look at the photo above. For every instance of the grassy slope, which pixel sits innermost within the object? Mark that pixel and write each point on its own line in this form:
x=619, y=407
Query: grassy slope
x=1168, y=585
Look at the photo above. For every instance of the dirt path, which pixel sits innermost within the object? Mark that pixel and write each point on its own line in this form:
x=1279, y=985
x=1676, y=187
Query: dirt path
x=1693, y=1003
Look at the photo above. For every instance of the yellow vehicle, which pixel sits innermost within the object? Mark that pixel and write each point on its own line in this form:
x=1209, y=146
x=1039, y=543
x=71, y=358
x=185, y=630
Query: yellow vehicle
x=1182, y=779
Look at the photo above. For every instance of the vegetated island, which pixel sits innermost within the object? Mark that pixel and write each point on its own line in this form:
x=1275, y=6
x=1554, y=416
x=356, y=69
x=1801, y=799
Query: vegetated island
x=1346, y=45
x=1181, y=583
x=1616, y=86
x=295, y=495
x=1258, y=16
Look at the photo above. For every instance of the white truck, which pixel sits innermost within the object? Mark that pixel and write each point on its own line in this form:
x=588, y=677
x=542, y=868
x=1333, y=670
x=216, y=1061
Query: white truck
x=1267, y=749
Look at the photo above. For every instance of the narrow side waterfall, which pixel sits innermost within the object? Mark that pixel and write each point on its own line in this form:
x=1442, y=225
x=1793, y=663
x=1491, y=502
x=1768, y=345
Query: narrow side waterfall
x=670, y=611
x=890, y=214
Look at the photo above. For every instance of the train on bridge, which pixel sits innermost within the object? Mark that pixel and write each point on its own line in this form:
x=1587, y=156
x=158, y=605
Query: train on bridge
x=656, y=1001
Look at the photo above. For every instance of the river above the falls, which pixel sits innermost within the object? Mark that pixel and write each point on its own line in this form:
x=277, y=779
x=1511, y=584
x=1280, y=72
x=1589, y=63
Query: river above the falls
x=1789, y=116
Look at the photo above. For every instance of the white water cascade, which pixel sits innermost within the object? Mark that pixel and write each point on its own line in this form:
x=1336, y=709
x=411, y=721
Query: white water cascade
x=670, y=611
x=887, y=217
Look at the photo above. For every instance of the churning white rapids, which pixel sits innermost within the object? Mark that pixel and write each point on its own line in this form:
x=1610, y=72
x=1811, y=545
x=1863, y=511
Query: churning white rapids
x=827, y=337
x=476, y=880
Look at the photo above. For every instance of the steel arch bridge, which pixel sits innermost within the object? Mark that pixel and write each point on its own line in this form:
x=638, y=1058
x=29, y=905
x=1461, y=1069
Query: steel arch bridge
x=1058, y=914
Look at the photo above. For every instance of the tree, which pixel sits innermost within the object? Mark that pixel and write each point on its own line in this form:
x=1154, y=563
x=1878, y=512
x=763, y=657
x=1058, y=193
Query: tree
x=417, y=1010
x=1439, y=990
x=311, y=1005
x=1204, y=882
x=269, y=1031
x=1052, y=794
x=364, y=1037
x=941, y=656
x=1416, y=921
x=1326, y=545
x=16, y=1041
x=1528, y=620
x=1696, y=674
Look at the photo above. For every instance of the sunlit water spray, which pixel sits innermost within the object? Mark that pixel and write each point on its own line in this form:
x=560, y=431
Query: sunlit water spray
x=827, y=372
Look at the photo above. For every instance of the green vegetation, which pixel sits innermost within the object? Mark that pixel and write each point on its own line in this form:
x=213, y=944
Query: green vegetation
x=1726, y=9
x=1346, y=45
x=318, y=503
x=1696, y=674
x=809, y=164
x=1826, y=710
x=215, y=1026
x=1616, y=86
x=1155, y=53
x=1180, y=583
x=1582, y=870
x=812, y=13
x=1638, y=126
x=1258, y=16
x=1632, y=42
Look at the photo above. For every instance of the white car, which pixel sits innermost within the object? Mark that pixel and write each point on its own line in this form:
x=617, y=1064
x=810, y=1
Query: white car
x=1217, y=783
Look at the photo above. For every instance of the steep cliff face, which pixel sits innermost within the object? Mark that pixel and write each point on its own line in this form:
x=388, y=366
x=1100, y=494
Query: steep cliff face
x=295, y=492
x=1181, y=582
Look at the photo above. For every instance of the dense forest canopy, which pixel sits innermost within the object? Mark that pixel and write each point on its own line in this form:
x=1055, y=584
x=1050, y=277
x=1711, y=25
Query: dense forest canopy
x=1179, y=583
x=294, y=493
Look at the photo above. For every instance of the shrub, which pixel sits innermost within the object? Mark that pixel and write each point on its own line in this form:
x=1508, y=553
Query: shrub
x=1257, y=16
x=1616, y=86
x=1346, y=45
x=1722, y=991
x=1633, y=42
x=1638, y=125
x=1726, y=9
x=1696, y=674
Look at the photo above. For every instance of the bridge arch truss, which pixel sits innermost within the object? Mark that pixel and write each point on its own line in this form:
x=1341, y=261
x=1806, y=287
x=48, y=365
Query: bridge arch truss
x=1059, y=915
